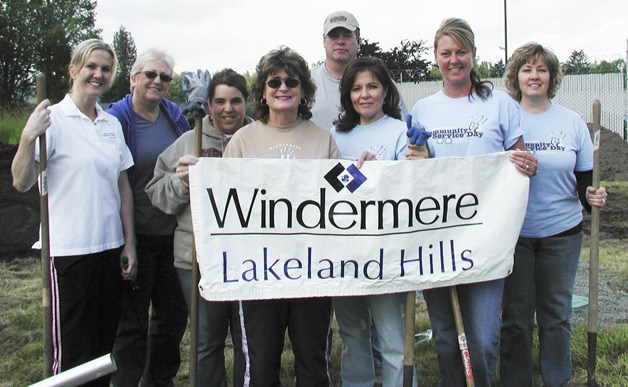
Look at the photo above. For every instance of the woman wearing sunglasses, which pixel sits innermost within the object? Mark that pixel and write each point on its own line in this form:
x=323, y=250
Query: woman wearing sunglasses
x=370, y=121
x=150, y=124
x=283, y=91
x=91, y=208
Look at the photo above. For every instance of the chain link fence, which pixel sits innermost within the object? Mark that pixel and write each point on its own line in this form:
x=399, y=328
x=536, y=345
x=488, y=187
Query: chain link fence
x=576, y=92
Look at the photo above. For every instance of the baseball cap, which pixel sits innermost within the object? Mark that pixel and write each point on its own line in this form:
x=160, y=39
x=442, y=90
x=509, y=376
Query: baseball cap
x=340, y=19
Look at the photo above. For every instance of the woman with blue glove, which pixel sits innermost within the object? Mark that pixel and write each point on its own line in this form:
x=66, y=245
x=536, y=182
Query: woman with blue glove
x=370, y=121
x=467, y=118
x=548, y=249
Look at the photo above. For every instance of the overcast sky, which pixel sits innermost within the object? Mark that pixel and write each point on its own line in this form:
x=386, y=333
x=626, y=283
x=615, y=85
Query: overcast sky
x=205, y=34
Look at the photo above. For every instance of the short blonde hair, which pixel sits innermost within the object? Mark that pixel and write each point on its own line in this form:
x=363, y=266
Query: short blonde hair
x=81, y=53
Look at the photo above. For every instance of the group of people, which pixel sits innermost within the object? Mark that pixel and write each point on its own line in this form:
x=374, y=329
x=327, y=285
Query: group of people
x=121, y=237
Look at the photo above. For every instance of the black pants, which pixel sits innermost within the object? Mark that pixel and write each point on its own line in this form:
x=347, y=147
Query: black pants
x=86, y=293
x=308, y=321
x=143, y=351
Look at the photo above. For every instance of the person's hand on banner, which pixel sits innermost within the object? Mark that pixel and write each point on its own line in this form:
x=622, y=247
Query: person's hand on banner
x=195, y=86
x=364, y=156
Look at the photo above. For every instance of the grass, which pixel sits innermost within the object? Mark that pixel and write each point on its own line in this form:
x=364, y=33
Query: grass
x=21, y=358
x=11, y=127
x=20, y=325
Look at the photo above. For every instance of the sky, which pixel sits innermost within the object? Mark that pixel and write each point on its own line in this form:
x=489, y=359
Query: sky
x=212, y=35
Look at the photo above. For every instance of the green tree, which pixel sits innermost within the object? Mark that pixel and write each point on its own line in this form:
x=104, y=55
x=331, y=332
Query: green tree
x=605, y=67
x=17, y=45
x=175, y=94
x=38, y=35
x=578, y=63
x=124, y=46
x=405, y=61
x=497, y=70
x=63, y=25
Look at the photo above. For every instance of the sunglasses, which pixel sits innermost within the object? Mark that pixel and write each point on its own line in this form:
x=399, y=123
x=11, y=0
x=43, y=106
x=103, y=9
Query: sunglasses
x=153, y=74
x=275, y=83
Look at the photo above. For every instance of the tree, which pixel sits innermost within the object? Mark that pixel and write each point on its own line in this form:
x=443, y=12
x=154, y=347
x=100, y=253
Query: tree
x=605, y=67
x=497, y=70
x=175, y=94
x=63, y=25
x=38, y=35
x=403, y=61
x=17, y=45
x=578, y=63
x=124, y=46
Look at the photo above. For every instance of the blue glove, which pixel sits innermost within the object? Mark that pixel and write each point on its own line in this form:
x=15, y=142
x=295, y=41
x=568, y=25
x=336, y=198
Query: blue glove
x=416, y=136
x=194, y=109
x=196, y=86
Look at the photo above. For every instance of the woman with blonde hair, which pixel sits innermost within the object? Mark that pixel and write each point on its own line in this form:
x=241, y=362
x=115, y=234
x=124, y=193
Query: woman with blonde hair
x=91, y=208
x=491, y=122
x=548, y=249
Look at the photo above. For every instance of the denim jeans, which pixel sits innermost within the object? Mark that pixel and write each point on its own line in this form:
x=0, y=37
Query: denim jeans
x=143, y=350
x=542, y=281
x=215, y=319
x=357, y=317
x=480, y=304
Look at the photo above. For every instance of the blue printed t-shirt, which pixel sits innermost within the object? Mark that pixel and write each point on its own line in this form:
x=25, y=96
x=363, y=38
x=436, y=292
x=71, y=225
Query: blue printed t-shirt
x=385, y=138
x=469, y=127
x=561, y=142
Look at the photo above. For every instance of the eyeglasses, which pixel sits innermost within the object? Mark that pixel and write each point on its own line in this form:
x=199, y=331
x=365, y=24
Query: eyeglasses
x=153, y=74
x=275, y=83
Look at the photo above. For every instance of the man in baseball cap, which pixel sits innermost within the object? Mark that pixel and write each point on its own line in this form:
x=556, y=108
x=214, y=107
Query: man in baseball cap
x=341, y=39
x=340, y=19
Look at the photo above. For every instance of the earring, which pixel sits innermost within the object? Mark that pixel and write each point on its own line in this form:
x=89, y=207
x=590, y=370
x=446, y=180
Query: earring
x=263, y=102
x=303, y=101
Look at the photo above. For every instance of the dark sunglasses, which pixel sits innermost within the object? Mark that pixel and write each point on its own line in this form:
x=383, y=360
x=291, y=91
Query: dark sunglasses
x=154, y=74
x=275, y=83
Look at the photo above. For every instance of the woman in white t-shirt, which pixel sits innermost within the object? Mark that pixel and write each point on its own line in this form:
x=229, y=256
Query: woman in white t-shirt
x=548, y=249
x=90, y=206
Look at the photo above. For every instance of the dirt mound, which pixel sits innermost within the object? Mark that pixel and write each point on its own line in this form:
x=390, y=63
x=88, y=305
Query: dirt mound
x=19, y=213
x=613, y=156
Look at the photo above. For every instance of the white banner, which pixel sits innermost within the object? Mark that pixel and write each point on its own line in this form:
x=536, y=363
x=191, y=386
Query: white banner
x=269, y=228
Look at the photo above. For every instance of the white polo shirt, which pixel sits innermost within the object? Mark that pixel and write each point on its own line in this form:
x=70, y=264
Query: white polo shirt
x=85, y=159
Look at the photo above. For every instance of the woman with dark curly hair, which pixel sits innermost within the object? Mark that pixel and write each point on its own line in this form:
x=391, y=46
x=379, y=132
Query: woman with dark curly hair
x=283, y=93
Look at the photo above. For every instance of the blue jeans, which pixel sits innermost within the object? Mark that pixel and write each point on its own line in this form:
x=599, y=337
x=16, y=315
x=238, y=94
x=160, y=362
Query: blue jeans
x=149, y=353
x=480, y=304
x=542, y=281
x=215, y=319
x=355, y=315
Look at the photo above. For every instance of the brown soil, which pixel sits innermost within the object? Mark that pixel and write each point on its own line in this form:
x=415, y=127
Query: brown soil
x=19, y=213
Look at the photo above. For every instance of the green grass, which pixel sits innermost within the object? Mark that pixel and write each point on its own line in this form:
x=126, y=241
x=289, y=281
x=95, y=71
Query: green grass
x=11, y=127
x=21, y=356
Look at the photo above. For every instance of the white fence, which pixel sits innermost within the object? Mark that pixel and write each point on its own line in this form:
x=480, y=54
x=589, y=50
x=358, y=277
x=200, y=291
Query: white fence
x=576, y=92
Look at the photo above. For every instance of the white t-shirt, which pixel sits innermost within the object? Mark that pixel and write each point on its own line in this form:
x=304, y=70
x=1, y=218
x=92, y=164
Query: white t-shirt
x=561, y=143
x=327, y=98
x=85, y=159
x=385, y=138
x=463, y=127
